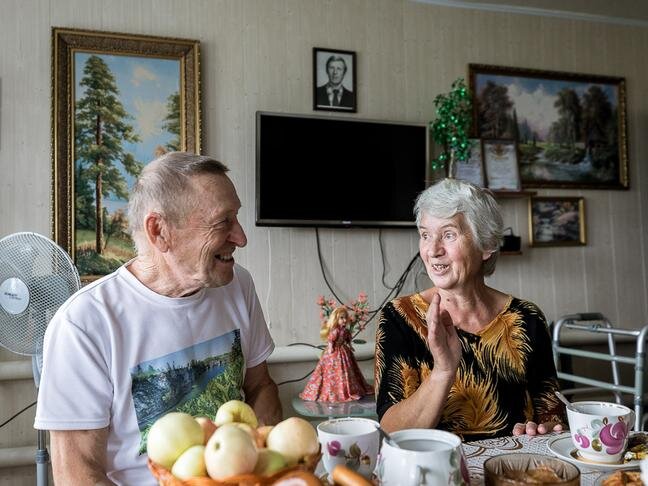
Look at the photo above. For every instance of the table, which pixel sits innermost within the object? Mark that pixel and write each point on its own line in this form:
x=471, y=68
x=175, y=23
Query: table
x=478, y=451
x=365, y=407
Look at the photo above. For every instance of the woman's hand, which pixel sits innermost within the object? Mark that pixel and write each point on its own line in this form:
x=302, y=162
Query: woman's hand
x=531, y=428
x=442, y=338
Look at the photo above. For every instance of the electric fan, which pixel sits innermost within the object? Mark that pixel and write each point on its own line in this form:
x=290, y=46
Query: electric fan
x=36, y=277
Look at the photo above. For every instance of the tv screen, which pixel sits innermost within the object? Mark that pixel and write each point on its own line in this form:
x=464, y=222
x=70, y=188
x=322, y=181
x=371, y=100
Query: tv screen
x=338, y=172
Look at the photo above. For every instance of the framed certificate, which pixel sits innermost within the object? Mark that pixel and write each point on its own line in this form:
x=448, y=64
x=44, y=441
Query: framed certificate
x=501, y=162
x=472, y=169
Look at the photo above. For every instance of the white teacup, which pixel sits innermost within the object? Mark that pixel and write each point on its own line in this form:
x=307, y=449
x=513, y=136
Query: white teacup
x=352, y=442
x=600, y=430
x=423, y=456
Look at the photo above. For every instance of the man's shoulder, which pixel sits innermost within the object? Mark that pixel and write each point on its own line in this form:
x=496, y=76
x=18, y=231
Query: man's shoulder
x=242, y=274
x=89, y=292
x=322, y=95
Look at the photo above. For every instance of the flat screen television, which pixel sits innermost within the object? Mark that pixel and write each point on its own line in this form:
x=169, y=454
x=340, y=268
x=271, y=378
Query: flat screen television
x=338, y=172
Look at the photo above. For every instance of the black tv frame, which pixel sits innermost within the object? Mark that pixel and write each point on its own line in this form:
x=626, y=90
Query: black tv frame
x=319, y=223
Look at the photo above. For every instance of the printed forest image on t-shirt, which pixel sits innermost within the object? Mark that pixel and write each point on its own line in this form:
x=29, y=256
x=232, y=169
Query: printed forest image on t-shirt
x=195, y=380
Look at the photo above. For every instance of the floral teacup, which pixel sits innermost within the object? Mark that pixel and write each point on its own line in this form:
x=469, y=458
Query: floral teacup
x=599, y=430
x=352, y=442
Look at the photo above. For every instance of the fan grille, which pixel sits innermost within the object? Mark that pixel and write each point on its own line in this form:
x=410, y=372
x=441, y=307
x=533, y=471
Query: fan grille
x=50, y=276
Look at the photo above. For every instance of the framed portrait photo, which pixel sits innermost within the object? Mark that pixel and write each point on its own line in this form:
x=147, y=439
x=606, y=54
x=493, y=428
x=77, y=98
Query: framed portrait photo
x=118, y=101
x=556, y=221
x=334, y=80
x=501, y=163
x=472, y=169
x=570, y=128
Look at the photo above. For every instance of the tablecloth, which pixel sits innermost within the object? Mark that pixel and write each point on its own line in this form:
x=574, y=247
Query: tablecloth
x=477, y=452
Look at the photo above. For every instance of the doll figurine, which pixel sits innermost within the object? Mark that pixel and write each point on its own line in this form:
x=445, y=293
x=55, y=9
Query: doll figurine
x=337, y=377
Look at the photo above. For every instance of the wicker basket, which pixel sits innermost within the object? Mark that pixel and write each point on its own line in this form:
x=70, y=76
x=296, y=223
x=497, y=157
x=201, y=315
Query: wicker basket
x=165, y=477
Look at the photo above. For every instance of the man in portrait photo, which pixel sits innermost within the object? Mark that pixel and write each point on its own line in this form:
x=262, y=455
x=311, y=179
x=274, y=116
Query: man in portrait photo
x=332, y=94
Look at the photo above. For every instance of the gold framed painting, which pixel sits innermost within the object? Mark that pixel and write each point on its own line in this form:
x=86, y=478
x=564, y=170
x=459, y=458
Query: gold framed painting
x=118, y=101
x=570, y=128
x=556, y=221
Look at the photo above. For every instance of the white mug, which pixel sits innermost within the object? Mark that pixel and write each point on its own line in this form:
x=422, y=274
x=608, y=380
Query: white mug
x=352, y=442
x=423, y=456
x=599, y=430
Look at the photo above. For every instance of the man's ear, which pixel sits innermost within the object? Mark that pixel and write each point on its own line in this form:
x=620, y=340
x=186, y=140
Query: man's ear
x=157, y=231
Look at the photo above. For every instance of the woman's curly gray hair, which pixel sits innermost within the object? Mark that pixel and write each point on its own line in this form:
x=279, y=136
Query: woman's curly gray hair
x=449, y=197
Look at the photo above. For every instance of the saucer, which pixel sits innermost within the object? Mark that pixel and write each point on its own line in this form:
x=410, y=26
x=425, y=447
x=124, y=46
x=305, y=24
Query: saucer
x=563, y=447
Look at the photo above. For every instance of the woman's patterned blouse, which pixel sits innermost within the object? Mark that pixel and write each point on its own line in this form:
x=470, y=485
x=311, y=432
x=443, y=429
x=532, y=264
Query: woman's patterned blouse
x=506, y=374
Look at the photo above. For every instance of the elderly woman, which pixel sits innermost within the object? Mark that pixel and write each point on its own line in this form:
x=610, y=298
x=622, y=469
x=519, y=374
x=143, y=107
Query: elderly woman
x=462, y=356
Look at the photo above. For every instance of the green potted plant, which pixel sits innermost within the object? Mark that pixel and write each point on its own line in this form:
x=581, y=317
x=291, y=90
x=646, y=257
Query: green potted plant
x=451, y=127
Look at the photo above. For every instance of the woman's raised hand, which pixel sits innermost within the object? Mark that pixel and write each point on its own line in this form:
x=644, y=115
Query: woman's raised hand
x=442, y=338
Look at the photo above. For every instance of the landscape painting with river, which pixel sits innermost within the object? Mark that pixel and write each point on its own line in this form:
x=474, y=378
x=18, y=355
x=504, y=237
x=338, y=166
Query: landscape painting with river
x=570, y=129
x=194, y=380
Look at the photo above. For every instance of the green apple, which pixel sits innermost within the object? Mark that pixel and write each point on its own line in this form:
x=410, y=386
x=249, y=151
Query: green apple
x=170, y=436
x=269, y=462
x=236, y=411
x=191, y=463
x=294, y=438
x=230, y=451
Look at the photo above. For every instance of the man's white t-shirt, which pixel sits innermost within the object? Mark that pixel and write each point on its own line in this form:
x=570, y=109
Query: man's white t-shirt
x=118, y=354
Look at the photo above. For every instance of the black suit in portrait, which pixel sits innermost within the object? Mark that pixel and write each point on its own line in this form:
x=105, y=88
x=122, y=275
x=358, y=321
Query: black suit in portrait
x=347, y=100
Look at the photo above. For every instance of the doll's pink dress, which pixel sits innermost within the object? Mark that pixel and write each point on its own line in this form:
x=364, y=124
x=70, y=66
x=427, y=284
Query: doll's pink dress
x=337, y=377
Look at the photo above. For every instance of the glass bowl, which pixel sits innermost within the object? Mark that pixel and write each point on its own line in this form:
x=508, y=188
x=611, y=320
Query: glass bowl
x=516, y=469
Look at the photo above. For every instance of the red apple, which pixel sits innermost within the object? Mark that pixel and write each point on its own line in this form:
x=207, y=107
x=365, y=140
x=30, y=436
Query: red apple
x=208, y=427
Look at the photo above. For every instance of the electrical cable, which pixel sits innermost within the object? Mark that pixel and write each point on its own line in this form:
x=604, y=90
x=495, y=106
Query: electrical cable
x=319, y=346
x=396, y=288
x=297, y=379
x=16, y=414
x=321, y=262
x=400, y=283
x=382, y=258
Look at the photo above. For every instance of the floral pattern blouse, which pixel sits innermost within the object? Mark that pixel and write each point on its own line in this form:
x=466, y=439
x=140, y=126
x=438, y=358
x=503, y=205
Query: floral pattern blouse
x=506, y=374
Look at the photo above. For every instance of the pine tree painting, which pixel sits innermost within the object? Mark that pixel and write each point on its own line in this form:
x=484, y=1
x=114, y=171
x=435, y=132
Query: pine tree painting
x=126, y=108
x=567, y=126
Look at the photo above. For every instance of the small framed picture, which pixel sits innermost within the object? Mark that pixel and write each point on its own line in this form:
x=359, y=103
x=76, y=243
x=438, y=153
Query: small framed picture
x=556, y=221
x=472, y=169
x=501, y=162
x=334, y=80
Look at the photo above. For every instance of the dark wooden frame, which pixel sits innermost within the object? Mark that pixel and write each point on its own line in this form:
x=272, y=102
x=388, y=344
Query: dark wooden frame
x=352, y=69
x=65, y=42
x=580, y=201
x=619, y=163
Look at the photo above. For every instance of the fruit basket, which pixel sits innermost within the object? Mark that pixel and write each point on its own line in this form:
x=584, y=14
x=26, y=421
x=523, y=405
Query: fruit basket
x=165, y=478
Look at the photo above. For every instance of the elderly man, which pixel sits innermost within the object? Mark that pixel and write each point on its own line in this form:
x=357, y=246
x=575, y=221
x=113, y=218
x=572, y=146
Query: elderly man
x=334, y=94
x=178, y=328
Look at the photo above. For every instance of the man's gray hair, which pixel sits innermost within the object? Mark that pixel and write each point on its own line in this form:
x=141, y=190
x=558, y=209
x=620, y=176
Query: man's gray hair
x=449, y=197
x=165, y=186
